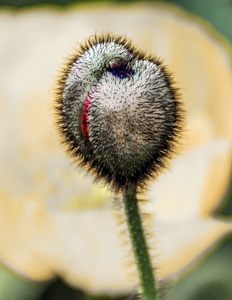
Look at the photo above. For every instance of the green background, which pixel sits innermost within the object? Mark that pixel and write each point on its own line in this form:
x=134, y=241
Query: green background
x=218, y=12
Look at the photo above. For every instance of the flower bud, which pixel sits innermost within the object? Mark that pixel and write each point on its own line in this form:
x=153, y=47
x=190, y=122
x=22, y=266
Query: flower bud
x=117, y=111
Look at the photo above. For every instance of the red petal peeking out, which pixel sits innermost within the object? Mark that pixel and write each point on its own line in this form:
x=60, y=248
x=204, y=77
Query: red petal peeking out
x=85, y=118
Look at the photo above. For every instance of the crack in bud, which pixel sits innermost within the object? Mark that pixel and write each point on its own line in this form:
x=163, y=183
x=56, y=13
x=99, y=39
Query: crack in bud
x=120, y=70
x=85, y=115
x=118, y=111
x=85, y=118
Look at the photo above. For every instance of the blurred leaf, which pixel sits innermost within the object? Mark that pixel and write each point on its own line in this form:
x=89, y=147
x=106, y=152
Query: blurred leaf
x=24, y=3
x=13, y=287
x=217, y=12
x=211, y=280
x=226, y=209
x=57, y=290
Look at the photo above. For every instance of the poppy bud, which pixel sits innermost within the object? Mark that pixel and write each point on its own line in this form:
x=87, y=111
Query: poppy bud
x=117, y=111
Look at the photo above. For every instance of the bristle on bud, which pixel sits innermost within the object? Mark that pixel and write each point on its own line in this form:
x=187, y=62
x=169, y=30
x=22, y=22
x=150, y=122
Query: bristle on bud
x=118, y=111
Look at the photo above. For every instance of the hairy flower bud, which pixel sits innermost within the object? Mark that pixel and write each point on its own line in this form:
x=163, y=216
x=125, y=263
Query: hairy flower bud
x=118, y=111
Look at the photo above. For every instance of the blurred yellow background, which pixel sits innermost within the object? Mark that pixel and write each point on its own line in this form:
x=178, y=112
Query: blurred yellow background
x=45, y=202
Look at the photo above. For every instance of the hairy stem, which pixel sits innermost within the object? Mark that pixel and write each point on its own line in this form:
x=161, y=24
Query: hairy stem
x=139, y=245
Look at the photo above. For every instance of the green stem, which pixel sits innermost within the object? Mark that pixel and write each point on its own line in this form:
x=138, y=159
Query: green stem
x=144, y=265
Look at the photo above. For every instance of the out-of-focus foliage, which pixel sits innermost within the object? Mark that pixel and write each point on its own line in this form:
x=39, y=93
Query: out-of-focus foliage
x=217, y=12
x=13, y=287
x=24, y=3
x=211, y=280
